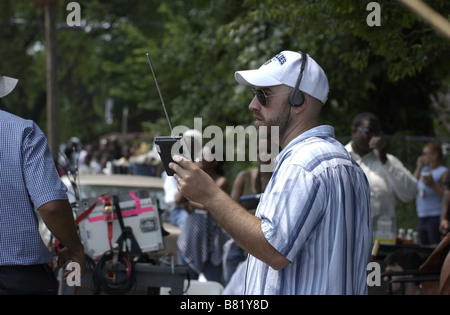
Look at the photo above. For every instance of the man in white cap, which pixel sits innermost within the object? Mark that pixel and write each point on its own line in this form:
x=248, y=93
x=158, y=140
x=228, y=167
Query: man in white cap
x=311, y=233
x=29, y=181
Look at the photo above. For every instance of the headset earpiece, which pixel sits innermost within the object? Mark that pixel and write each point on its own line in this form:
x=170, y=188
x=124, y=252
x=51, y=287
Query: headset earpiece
x=297, y=97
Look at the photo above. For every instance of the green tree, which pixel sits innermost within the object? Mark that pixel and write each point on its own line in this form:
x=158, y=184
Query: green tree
x=100, y=61
x=390, y=70
x=196, y=46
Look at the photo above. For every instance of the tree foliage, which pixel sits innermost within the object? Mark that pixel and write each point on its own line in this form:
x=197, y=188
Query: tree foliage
x=390, y=70
x=196, y=46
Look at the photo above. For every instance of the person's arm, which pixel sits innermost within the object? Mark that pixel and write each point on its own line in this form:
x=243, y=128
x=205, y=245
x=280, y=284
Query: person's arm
x=57, y=216
x=243, y=227
x=183, y=203
x=401, y=180
x=238, y=186
x=437, y=186
x=49, y=196
x=379, y=144
x=445, y=212
x=419, y=166
x=222, y=182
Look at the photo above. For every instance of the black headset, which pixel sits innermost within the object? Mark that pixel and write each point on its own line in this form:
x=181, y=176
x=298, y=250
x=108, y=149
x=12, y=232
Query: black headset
x=297, y=97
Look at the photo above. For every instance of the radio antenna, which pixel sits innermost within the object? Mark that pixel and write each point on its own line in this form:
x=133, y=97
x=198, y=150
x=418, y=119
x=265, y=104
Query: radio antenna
x=159, y=92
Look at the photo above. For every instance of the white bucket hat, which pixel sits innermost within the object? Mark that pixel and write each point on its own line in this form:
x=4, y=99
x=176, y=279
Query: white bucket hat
x=7, y=84
x=284, y=68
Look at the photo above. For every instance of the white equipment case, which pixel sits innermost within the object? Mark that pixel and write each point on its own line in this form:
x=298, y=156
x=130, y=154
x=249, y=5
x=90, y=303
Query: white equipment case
x=139, y=212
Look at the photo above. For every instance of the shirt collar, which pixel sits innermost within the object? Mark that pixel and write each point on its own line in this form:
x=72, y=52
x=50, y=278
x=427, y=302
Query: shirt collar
x=322, y=131
x=356, y=156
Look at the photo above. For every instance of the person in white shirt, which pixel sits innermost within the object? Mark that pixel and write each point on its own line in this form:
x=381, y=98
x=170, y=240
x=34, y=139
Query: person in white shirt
x=177, y=203
x=388, y=177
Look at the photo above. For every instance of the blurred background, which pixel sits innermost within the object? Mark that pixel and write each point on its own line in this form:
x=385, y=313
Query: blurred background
x=101, y=87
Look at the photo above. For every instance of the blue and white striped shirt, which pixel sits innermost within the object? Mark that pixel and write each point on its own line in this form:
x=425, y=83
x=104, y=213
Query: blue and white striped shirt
x=316, y=212
x=28, y=179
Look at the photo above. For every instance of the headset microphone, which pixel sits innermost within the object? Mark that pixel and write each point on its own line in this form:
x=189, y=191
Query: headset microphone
x=297, y=97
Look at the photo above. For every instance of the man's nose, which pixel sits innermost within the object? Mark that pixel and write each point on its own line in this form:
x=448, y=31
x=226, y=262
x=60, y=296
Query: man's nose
x=254, y=104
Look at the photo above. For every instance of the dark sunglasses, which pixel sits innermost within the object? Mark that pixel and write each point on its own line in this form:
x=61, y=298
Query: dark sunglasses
x=261, y=96
x=369, y=131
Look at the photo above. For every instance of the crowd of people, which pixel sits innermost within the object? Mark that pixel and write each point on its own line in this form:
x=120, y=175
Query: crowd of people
x=318, y=192
x=109, y=156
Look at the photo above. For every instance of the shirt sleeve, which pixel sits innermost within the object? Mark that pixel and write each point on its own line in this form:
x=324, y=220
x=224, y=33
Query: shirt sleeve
x=41, y=177
x=402, y=181
x=292, y=209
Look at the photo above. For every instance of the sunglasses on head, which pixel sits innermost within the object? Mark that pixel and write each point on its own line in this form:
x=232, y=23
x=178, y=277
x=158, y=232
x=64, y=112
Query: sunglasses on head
x=262, y=97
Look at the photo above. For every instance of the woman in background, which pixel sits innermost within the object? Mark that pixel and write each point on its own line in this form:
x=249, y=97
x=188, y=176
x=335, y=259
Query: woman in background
x=431, y=175
x=200, y=244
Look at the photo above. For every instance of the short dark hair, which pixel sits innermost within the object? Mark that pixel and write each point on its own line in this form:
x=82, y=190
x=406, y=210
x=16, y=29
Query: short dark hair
x=408, y=259
x=435, y=147
x=357, y=121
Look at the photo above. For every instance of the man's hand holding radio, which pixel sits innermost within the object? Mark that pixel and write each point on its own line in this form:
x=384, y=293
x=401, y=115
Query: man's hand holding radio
x=193, y=183
x=245, y=228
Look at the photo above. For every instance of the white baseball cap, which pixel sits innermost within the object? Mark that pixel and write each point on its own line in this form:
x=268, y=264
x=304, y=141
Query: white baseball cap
x=7, y=84
x=284, y=68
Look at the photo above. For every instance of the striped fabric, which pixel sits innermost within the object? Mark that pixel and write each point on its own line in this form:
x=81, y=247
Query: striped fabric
x=315, y=211
x=28, y=179
x=201, y=240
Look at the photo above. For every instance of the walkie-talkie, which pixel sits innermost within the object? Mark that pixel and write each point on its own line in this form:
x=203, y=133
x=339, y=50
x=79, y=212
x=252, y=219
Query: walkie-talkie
x=167, y=146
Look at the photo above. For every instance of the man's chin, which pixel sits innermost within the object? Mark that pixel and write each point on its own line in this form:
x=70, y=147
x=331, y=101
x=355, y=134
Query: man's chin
x=259, y=123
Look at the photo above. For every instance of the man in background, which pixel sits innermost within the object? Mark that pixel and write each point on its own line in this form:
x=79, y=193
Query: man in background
x=388, y=177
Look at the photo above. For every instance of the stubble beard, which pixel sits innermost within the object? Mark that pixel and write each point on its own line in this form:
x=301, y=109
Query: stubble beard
x=282, y=122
